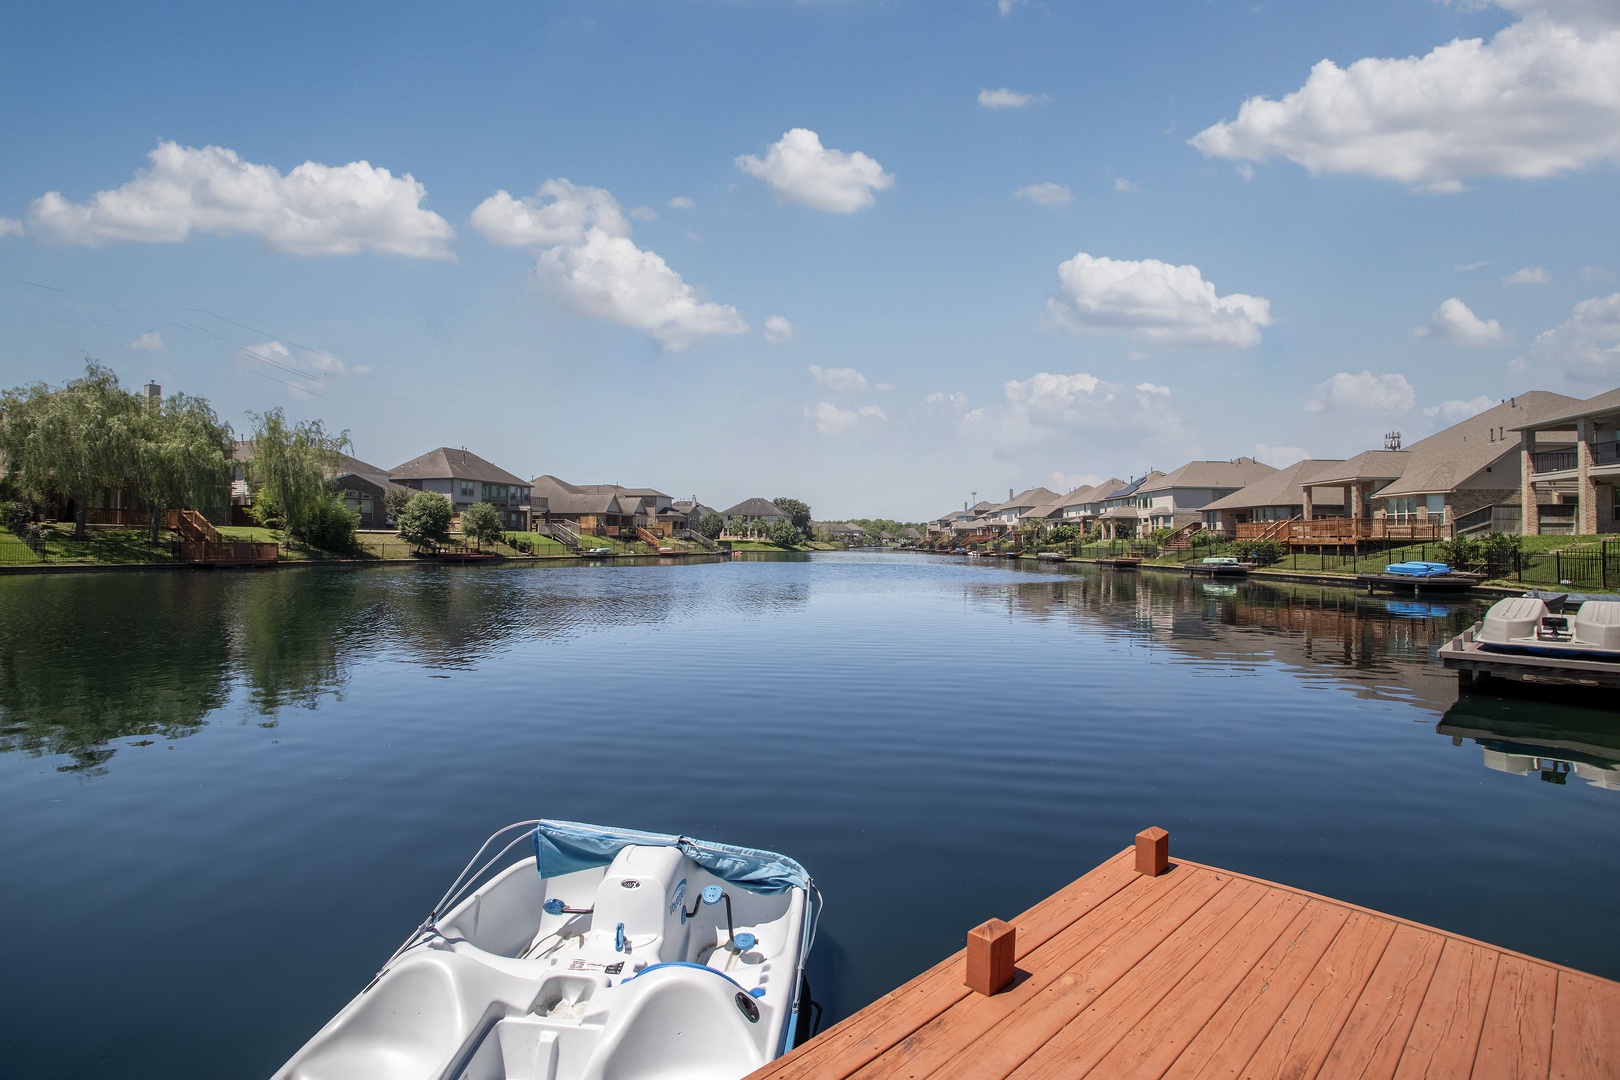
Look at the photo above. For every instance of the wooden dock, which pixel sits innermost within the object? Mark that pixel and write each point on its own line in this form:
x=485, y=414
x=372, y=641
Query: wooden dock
x=1199, y=972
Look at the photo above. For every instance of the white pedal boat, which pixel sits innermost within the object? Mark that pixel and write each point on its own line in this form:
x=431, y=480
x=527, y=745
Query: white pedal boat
x=607, y=955
x=1524, y=624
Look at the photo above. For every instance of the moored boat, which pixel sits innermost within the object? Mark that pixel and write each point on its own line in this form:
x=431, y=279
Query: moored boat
x=606, y=954
x=1524, y=624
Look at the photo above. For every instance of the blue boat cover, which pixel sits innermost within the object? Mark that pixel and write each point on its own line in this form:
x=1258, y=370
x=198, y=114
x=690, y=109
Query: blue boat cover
x=1418, y=569
x=562, y=847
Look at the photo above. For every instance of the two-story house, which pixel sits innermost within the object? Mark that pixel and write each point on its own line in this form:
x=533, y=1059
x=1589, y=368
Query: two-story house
x=465, y=478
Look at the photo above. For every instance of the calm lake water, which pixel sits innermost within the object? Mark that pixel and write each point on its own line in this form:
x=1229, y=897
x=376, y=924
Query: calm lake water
x=227, y=797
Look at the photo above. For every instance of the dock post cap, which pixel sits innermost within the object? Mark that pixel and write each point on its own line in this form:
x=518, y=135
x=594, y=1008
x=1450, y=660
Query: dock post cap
x=1152, y=851
x=990, y=956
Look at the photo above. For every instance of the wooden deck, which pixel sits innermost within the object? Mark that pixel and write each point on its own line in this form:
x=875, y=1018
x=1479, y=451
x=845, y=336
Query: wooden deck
x=1200, y=972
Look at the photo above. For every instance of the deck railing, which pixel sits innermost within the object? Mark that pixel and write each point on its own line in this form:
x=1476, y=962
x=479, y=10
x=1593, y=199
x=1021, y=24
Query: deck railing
x=1552, y=461
x=1355, y=530
x=228, y=553
x=1264, y=530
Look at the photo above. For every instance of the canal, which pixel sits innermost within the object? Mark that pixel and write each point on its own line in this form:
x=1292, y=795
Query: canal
x=227, y=797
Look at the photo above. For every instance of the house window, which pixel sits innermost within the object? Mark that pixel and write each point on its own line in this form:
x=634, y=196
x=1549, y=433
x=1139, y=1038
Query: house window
x=1436, y=505
x=365, y=506
x=468, y=489
x=494, y=492
x=1403, y=508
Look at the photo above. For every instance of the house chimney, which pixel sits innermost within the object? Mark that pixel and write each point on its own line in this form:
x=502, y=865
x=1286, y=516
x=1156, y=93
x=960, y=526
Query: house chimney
x=1009, y=494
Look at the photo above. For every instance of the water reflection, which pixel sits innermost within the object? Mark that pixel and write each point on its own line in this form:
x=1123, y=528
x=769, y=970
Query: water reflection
x=1549, y=740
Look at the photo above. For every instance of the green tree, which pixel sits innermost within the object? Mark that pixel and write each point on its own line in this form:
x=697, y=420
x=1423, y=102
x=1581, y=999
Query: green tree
x=798, y=513
x=737, y=525
x=481, y=523
x=426, y=518
x=183, y=457
x=288, y=473
x=712, y=525
x=394, y=502
x=783, y=533
x=72, y=442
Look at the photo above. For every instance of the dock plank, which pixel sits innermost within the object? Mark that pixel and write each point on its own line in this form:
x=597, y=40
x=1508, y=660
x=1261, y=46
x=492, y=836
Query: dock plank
x=1199, y=973
x=1586, y=1027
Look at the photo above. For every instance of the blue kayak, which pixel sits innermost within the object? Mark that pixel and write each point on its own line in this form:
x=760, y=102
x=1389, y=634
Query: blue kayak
x=1418, y=569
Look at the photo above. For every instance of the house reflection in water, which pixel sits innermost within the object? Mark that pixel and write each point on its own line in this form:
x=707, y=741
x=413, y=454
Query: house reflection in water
x=1553, y=741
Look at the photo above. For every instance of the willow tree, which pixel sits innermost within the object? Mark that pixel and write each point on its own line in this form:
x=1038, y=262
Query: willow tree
x=184, y=456
x=288, y=475
x=74, y=441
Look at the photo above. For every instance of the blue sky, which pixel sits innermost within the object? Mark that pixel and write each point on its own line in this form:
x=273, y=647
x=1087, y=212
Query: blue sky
x=876, y=255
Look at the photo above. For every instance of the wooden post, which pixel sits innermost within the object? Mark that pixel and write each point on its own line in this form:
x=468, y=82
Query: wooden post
x=990, y=957
x=1152, y=852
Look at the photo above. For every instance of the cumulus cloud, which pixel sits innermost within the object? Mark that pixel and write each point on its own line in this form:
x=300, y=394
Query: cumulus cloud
x=681, y=202
x=1046, y=402
x=10, y=227
x=304, y=371
x=778, y=331
x=644, y=213
x=799, y=169
x=1154, y=302
x=1453, y=321
x=559, y=213
x=832, y=420
x=151, y=341
x=1047, y=194
x=1539, y=99
x=595, y=268
x=943, y=400
x=1530, y=275
x=1010, y=99
x=313, y=210
x=1455, y=411
x=1364, y=393
x=1586, y=346
x=1279, y=457
x=1126, y=187
x=845, y=380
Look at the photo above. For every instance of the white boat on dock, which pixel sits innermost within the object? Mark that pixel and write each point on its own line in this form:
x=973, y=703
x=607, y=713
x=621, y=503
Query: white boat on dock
x=608, y=954
x=1526, y=639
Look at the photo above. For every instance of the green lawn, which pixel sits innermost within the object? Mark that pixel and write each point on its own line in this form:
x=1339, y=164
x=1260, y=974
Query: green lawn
x=105, y=546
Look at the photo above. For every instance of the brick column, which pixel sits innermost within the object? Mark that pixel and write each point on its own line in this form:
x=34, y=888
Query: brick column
x=1309, y=508
x=1529, y=510
x=1586, y=509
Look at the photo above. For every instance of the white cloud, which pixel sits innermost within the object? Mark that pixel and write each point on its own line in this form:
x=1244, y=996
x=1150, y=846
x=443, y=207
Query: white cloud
x=151, y=341
x=778, y=331
x=1047, y=194
x=1453, y=321
x=831, y=420
x=596, y=269
x=1066, y=482
x=947, y=401
x=1530, y=275
x=609, y=277
x=313, y=210
x=10, y=227
x=1465, y=267
x=1596, y=273
x=1045, y=402
x=1279, y=457
x=1154, y=302
x=304, y=371
x=559, y=213
x=1363, y=393
x=1010, y=99
x=681, y=202
x=845, y=380
x=801, y=170
x=644, y=213
x=885, y=387
x=1586, y=346
x=1455, y=411
x=1126, y=187
x=1006, y=6
x=1540, y=98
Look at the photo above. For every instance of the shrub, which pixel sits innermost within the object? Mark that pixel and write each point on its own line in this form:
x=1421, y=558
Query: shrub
x=712, y=526
x=426, y=518
x=1259, y=552
x=328, y=524
x=481, y=523
x=783, y=533
x=1462, y=551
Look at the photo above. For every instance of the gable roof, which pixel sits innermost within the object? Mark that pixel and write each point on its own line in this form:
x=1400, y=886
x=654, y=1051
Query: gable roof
x=1367, y=465
x=1211, y=474
x=754, y=508
x=1034, y=496
x=1131, y=488
x=1284, y=487
x=1445, y=460
x=1093, y=493
x=447, y=464
x=1592, y=406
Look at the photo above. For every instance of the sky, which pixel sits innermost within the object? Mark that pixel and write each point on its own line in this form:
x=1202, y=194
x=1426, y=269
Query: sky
x=879, y=255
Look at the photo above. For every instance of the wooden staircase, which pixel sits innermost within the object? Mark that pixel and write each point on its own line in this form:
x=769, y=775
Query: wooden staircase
x=203, y=545
x=564, y=534
x=1182, y=538
x=647, y=536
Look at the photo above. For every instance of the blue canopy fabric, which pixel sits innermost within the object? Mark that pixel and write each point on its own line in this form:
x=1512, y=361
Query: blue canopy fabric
x=562, y=847
x=1418, y=569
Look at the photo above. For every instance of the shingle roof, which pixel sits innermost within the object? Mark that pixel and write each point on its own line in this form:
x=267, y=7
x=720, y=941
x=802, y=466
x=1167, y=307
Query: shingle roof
x=1133, y=487
x=447, y=464
x=1094, y=493
x=754, y=508
x=1211, y=474
x=1367, y=465
x=1282, y=488
x=1602, y=403
x=1445, y=460
x=1031, y=497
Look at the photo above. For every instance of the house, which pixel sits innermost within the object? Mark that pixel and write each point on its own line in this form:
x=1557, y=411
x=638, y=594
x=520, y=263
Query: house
x=364, y=489
x=692, y=513
x=1004, y=516
x=1468, y=475
x=1571, y=458
x=1120, y=516
x=465, y=478
x=754, y=512
x=1082, y=506
x=1176, y=499
x=609, y=509
x=1258, y=510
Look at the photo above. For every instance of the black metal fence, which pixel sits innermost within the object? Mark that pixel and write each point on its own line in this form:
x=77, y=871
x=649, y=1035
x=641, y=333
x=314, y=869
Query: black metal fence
x=1587, y=566
x=21, y=551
